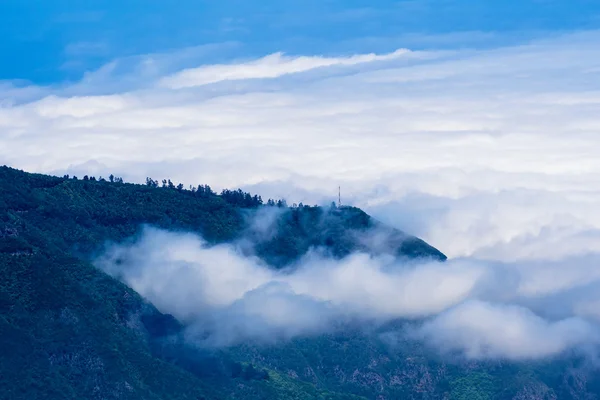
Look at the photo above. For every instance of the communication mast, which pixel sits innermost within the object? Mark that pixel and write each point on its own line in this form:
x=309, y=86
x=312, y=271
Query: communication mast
x=339, y=196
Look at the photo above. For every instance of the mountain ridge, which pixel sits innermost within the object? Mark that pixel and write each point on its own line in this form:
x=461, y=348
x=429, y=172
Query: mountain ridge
x=74, y=330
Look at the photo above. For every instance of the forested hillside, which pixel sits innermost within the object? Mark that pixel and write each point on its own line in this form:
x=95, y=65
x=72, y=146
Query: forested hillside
x=69, y=331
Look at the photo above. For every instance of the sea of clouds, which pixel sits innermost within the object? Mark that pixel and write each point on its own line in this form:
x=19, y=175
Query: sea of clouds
x=490, y=155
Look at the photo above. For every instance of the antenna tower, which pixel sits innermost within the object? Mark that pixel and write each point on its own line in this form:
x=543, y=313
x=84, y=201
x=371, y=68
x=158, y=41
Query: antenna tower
x=339, y=196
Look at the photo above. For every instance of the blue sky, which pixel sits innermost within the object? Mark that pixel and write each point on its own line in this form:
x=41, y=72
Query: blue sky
x=52, y=41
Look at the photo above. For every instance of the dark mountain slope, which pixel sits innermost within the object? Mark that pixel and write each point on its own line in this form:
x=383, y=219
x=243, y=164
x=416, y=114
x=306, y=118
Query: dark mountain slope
x=78, y=216
x=66, y=333
x=341, y=231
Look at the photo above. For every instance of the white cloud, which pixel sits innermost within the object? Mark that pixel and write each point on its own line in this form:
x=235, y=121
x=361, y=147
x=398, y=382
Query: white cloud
x=241, y=298
x=480, y=330
x=180, y=272
x=476, y=309
x=272, y=66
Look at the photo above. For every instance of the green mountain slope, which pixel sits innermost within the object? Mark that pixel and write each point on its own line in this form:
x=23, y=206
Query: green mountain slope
x=68, y=331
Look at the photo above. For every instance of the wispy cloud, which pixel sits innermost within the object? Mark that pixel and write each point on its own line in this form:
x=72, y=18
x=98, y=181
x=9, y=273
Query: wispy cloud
x=272, y=66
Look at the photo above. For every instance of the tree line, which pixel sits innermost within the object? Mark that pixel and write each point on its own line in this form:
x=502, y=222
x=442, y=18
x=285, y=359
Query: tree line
x=235, y=197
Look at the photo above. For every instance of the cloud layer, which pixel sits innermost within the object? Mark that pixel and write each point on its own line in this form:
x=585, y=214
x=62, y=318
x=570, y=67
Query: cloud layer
x=487, y=153
x=476, y=310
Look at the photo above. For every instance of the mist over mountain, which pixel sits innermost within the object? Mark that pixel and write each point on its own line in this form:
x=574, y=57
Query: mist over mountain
x=114, y=290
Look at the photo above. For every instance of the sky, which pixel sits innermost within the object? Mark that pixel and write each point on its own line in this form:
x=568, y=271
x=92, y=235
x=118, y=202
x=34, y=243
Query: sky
x=48, y=42
x=471, y=124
